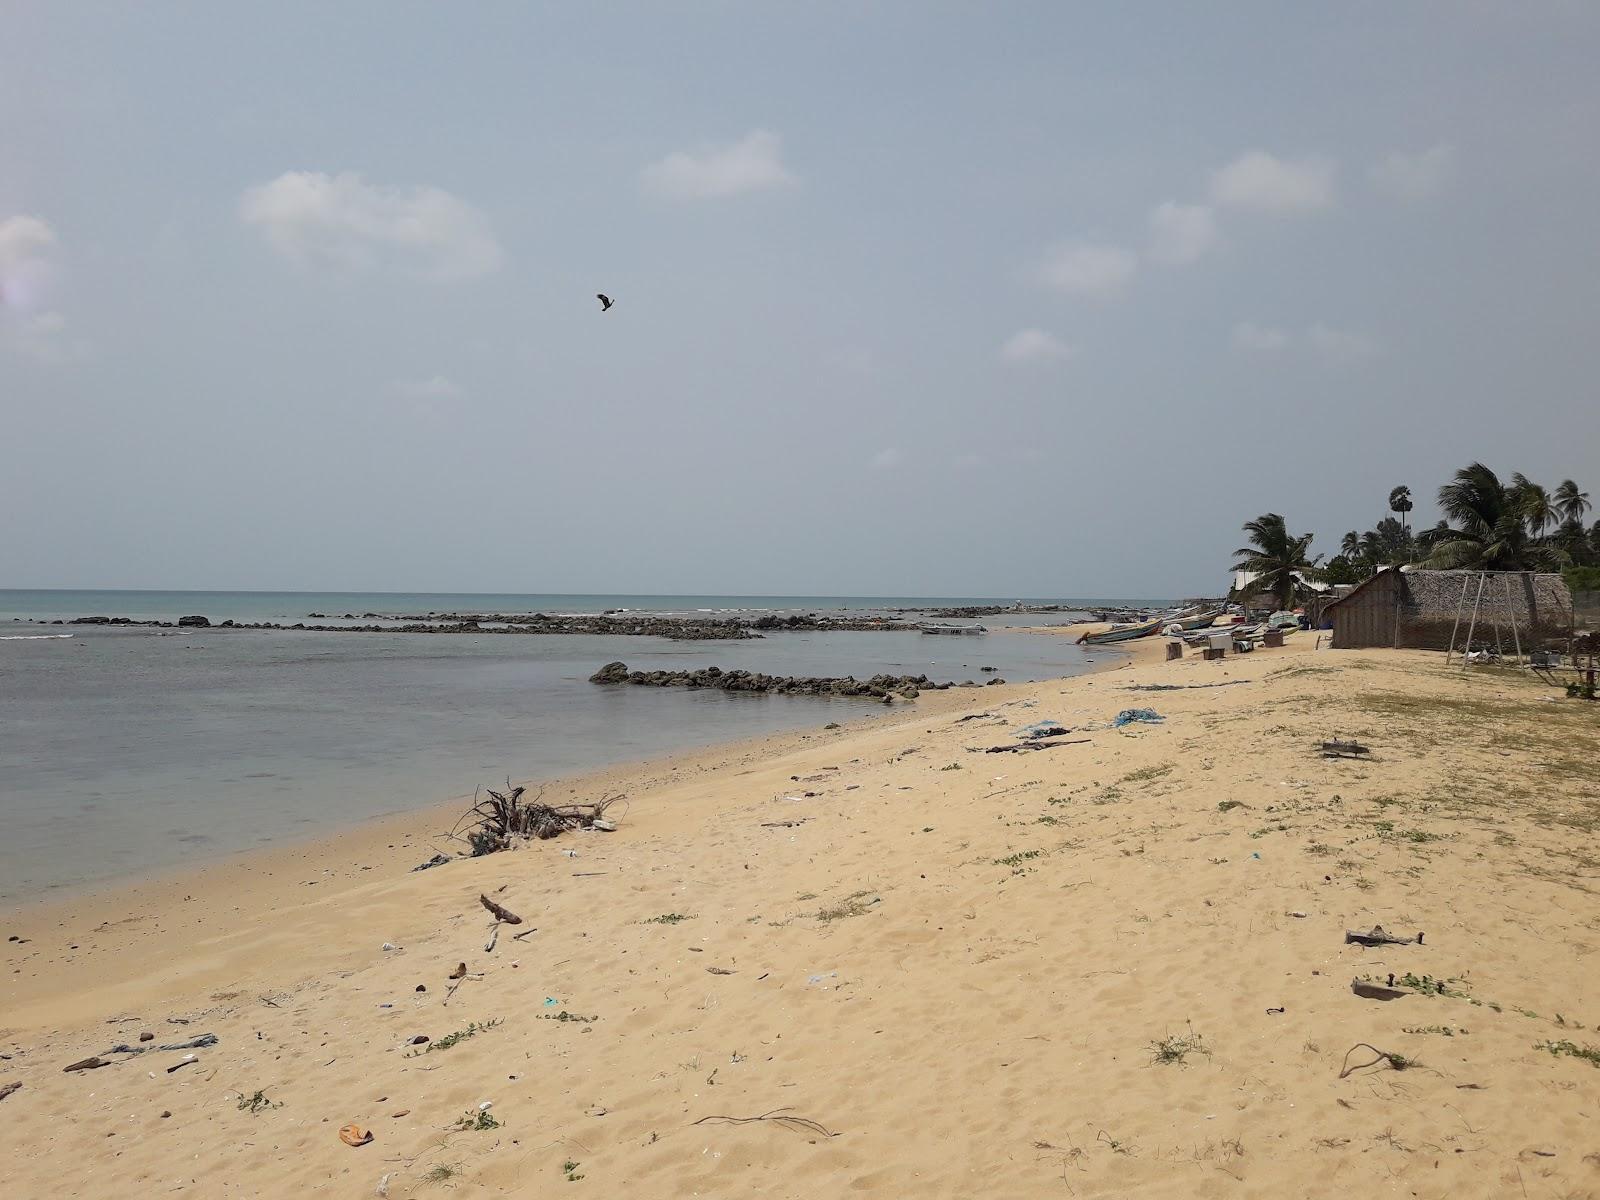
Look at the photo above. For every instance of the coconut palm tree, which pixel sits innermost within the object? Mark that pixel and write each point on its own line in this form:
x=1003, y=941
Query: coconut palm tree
x=1538, y=510
x=1570, y=503
x=1276, y=558
x=1350, y=546
x=1488, y=525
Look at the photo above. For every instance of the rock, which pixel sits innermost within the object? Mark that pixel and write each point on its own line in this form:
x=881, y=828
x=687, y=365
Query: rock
x=612, y=672
x=147, y=1036
x=197, y=622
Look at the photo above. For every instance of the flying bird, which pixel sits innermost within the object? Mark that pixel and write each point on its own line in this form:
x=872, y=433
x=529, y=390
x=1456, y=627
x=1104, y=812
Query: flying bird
x=605, y=300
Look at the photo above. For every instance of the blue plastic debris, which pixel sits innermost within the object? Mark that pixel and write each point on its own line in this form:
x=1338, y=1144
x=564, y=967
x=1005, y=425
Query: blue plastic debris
x=1129, y=715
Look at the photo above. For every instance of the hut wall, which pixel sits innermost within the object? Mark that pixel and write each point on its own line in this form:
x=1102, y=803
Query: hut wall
x=1366, y=619
x=1586, y=609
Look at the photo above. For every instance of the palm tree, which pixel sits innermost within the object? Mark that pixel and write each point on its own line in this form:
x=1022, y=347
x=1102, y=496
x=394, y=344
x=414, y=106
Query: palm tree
x=1276, y=558
x=1570, y=503
x=1350, y=546
x=1488, y=527
x=1400, y=502
x=1538, y=510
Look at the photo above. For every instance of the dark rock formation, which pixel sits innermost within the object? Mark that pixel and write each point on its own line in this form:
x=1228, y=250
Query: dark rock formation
x=879, y=687
x=196, y=622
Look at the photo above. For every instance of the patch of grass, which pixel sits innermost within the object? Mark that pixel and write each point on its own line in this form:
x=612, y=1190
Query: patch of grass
x=476, y=1119
x=1364, y=884
x=1440, y=1030
x=1320, y=849
x=570, y=1170
x=257, y=1102
x=1147, y=774
x=1047, y=819
x=460, y=1035
x=564, y=1015
x=1017, y=859
x=952, y=767
x=441, y=1173
x=853, y=905
x=1176, y=1048
x=672, y=918
x=1280, y=827
x=1230, y=805
x=1589, y=1054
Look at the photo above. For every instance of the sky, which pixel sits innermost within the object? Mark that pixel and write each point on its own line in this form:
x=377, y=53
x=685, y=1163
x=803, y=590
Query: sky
x=910, y=298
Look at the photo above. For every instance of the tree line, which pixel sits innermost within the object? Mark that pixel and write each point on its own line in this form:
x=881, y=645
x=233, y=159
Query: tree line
x=1486, y=524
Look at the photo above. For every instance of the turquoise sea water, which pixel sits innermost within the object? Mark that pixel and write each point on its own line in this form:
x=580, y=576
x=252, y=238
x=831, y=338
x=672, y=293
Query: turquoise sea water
x=127, y=749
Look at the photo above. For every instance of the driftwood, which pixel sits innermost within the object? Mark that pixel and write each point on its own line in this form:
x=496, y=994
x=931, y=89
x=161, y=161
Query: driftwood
x=1350, y=749
x=8, y=1089
x=496, y=820
x=1378, y=936
x=1034, y=744
x=1398, y=1061
x=194, y=1043
x=501, y=913
x=88, y=1064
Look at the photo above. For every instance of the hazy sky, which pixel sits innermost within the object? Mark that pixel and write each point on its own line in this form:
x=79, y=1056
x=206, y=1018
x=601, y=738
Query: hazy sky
x=910, y=298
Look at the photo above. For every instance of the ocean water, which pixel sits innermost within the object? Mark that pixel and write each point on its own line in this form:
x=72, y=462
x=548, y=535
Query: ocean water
x=127, y=749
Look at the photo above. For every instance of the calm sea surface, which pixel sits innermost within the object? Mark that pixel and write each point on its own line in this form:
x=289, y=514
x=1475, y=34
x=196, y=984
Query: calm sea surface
x=123, y=750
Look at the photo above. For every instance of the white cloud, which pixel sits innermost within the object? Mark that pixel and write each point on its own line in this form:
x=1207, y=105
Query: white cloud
x=343, y=222
x=436, y=387
x=887, y=458
x=1340, y=347
x=1261, y=182
x=1181, y=233
x=752, y=164
x=1334, y=347
x=26, y=265
x=1029, y=347
x=1087, y=268
x=1247, y=335
x=1413, y=177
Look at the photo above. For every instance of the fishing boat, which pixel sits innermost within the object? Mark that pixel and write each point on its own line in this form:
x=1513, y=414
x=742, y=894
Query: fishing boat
x=1194, y=620
x=957, y=630
x=1122, y=633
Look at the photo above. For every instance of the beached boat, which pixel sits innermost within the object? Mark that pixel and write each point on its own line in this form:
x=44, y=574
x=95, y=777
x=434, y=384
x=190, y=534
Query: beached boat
x=958, y=630
x=1194, y=620
x=1122, y=633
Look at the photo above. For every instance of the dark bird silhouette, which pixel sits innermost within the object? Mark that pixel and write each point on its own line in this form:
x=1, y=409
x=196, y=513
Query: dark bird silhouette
x=605, y=300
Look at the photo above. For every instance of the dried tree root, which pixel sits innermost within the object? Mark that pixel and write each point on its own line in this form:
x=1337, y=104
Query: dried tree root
x=501, y=913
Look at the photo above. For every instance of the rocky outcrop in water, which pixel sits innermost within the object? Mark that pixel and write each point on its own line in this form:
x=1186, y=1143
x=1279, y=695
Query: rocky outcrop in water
x=195, y=622
x=879, y=687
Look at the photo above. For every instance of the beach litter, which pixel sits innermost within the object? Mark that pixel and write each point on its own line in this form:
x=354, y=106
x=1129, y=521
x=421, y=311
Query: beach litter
x=460, y=972
x=822, y=977
x=185, y=1061
x=1334, y=748
x=1042, y=729
x=354, y=1135
x=1378, y=936
x=1129, y=716
x=388, y=946
x=93, y=1062
x=438, y=860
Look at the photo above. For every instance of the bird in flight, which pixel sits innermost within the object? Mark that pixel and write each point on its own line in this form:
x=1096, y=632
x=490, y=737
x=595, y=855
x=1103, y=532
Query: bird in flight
x=605, y=300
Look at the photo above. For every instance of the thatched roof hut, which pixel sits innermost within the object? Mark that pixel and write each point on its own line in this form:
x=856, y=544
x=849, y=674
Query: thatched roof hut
x=1417, y=609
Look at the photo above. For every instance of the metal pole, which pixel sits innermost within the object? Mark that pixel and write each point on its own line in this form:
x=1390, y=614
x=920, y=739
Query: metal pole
x=1466, y=582
x=1473, y=624
x=1511, y=612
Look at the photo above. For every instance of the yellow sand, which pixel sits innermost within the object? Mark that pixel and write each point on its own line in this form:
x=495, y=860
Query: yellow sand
x=955, y=964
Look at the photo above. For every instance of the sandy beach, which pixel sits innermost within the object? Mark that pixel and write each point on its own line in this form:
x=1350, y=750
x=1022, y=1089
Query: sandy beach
x=874, y=960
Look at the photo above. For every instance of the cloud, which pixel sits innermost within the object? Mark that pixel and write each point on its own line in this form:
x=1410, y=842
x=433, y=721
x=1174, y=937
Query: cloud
x=1339, y=347
x=1260, y=182
x=887, y=459
x=1414, y=177
x=1247, y=335
x=436, y=387
x=752, y=164
x=1335, y=347
x=27, y=245
x=1031, y=347
x=1087, y=268
x=1181, y=233
x=344, y=223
